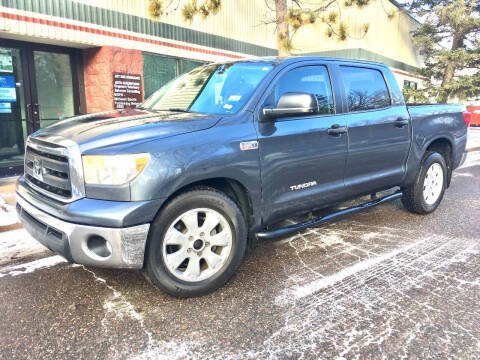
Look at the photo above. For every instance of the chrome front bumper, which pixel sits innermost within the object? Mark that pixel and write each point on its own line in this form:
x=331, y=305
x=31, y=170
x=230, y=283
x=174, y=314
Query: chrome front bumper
x=126, y=245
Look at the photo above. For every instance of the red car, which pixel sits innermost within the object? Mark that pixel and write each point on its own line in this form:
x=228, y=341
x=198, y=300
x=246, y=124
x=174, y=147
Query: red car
x=475, y=110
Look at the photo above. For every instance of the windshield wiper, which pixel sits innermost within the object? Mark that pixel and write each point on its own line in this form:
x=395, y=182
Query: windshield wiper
x=179, y=110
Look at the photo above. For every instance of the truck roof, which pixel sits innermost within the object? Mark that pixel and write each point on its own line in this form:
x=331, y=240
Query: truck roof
x=294, y=59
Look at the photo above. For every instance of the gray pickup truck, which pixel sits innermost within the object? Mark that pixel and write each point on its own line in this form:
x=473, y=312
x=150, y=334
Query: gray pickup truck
x=214, y=159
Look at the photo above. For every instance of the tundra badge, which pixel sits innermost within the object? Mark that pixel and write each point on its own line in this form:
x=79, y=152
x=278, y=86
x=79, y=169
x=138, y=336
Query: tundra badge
x=303, y=186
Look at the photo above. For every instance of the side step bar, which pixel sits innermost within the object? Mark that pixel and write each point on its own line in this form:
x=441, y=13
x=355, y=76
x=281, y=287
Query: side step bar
x=267, y=235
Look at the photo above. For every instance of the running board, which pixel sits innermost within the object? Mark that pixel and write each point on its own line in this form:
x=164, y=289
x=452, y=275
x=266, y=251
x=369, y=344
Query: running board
x=267, y=235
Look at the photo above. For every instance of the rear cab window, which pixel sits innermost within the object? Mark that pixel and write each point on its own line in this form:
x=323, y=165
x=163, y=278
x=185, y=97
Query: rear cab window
x=365, y=88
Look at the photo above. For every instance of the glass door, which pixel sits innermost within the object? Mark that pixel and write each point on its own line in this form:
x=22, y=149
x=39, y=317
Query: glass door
x=37, y=88
x=13, y=119
x=53, y=100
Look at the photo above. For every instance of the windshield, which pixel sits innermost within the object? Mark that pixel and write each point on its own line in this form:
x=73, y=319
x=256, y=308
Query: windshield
x=215, y=89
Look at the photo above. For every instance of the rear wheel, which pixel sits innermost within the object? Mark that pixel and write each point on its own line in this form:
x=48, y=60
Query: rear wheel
x=426, y=193
x=196, y=243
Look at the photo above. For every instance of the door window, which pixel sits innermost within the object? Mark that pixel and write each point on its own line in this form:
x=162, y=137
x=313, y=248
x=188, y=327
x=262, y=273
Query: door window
x=308, y=79
x=53, y=76
x=366, y=88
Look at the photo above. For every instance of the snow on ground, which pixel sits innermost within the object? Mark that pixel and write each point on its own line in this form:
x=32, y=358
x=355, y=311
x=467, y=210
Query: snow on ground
x=26, y=268
x=8, y=215
x=16, y=244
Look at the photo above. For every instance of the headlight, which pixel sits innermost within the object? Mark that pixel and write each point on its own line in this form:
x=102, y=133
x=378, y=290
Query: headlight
x=113, y=169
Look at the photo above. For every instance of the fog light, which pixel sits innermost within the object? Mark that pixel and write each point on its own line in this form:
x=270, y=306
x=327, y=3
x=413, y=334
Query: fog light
x=99, y=246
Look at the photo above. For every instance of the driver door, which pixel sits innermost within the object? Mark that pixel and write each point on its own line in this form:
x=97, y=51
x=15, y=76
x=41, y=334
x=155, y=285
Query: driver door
x=302, y=163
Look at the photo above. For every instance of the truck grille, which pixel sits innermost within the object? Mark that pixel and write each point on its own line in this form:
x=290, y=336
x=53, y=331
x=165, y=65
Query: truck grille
x=47, y=169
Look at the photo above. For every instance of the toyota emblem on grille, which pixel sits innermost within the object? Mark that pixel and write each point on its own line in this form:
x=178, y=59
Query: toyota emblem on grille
x=37, y=169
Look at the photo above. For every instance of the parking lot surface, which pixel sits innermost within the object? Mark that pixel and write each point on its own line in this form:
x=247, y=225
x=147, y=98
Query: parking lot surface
x=380, y=284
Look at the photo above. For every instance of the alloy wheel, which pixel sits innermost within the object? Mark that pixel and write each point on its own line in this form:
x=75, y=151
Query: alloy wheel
x=197, y=244
x=433, y=184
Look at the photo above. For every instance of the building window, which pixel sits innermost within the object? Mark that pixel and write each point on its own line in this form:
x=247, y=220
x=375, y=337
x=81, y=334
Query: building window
x=185, y=65
x=409, y=84
x=158, y=70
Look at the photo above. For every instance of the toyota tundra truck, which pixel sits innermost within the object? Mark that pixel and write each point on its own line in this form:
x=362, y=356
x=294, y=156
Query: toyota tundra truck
x=215, y=158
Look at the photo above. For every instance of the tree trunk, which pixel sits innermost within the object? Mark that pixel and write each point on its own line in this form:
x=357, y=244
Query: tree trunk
x=282, y=27
x=451, y=66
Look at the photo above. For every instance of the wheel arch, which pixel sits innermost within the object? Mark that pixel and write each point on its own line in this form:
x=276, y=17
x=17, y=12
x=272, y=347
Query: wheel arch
x=443, y=146
x=230, y=187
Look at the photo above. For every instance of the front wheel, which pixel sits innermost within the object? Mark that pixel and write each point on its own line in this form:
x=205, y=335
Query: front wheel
x=196, y=243
x=426, y=193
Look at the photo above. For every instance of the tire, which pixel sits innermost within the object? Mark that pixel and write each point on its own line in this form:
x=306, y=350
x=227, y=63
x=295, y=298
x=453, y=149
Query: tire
x=181, y=230
x=426, y=193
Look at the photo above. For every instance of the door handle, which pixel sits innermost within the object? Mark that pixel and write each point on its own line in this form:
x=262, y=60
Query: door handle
x=36, y=109
x=33, y=112
x=401, y=122
x=336, y=130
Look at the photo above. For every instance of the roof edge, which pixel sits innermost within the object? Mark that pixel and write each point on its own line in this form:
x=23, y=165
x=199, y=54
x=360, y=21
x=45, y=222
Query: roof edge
x=402, y=8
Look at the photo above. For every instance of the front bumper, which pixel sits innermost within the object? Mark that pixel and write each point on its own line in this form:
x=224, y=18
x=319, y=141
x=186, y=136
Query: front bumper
x=74, y=241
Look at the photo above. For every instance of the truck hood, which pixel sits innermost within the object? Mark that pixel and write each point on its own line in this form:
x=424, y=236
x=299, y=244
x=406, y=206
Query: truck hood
x=125, y=126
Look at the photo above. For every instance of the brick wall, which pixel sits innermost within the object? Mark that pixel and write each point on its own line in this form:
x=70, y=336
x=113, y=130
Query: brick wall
x=99, y=64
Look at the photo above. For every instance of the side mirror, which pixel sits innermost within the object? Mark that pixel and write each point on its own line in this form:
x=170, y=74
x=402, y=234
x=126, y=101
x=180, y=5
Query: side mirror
x=293, y=103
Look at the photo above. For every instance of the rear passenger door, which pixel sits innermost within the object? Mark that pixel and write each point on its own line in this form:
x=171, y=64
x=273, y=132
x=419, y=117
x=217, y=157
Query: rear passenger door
x=301, y=164
x=379, y=133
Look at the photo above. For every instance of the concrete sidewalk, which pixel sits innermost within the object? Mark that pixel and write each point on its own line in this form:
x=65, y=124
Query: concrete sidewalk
x=473, y=143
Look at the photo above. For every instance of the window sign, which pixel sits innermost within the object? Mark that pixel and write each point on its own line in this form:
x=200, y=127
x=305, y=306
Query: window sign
x=7, y=89
x=6, y=60
x=127, y=90
x=5, y=108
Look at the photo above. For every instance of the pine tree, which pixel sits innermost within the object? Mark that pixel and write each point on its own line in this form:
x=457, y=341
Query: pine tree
x=287, y=15
x=449, y=41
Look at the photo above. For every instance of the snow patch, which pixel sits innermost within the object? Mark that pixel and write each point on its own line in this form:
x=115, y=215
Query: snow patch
x=463, y=175
x=317, y=285
x=355, y=314
x=370, y=236
x=18, y=243
x=8, y=215
x=120, y=307
x=170, y=350
x=31, y=266
x=331, y=239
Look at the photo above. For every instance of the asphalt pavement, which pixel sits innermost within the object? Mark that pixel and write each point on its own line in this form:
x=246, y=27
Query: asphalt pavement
x=383, y=283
